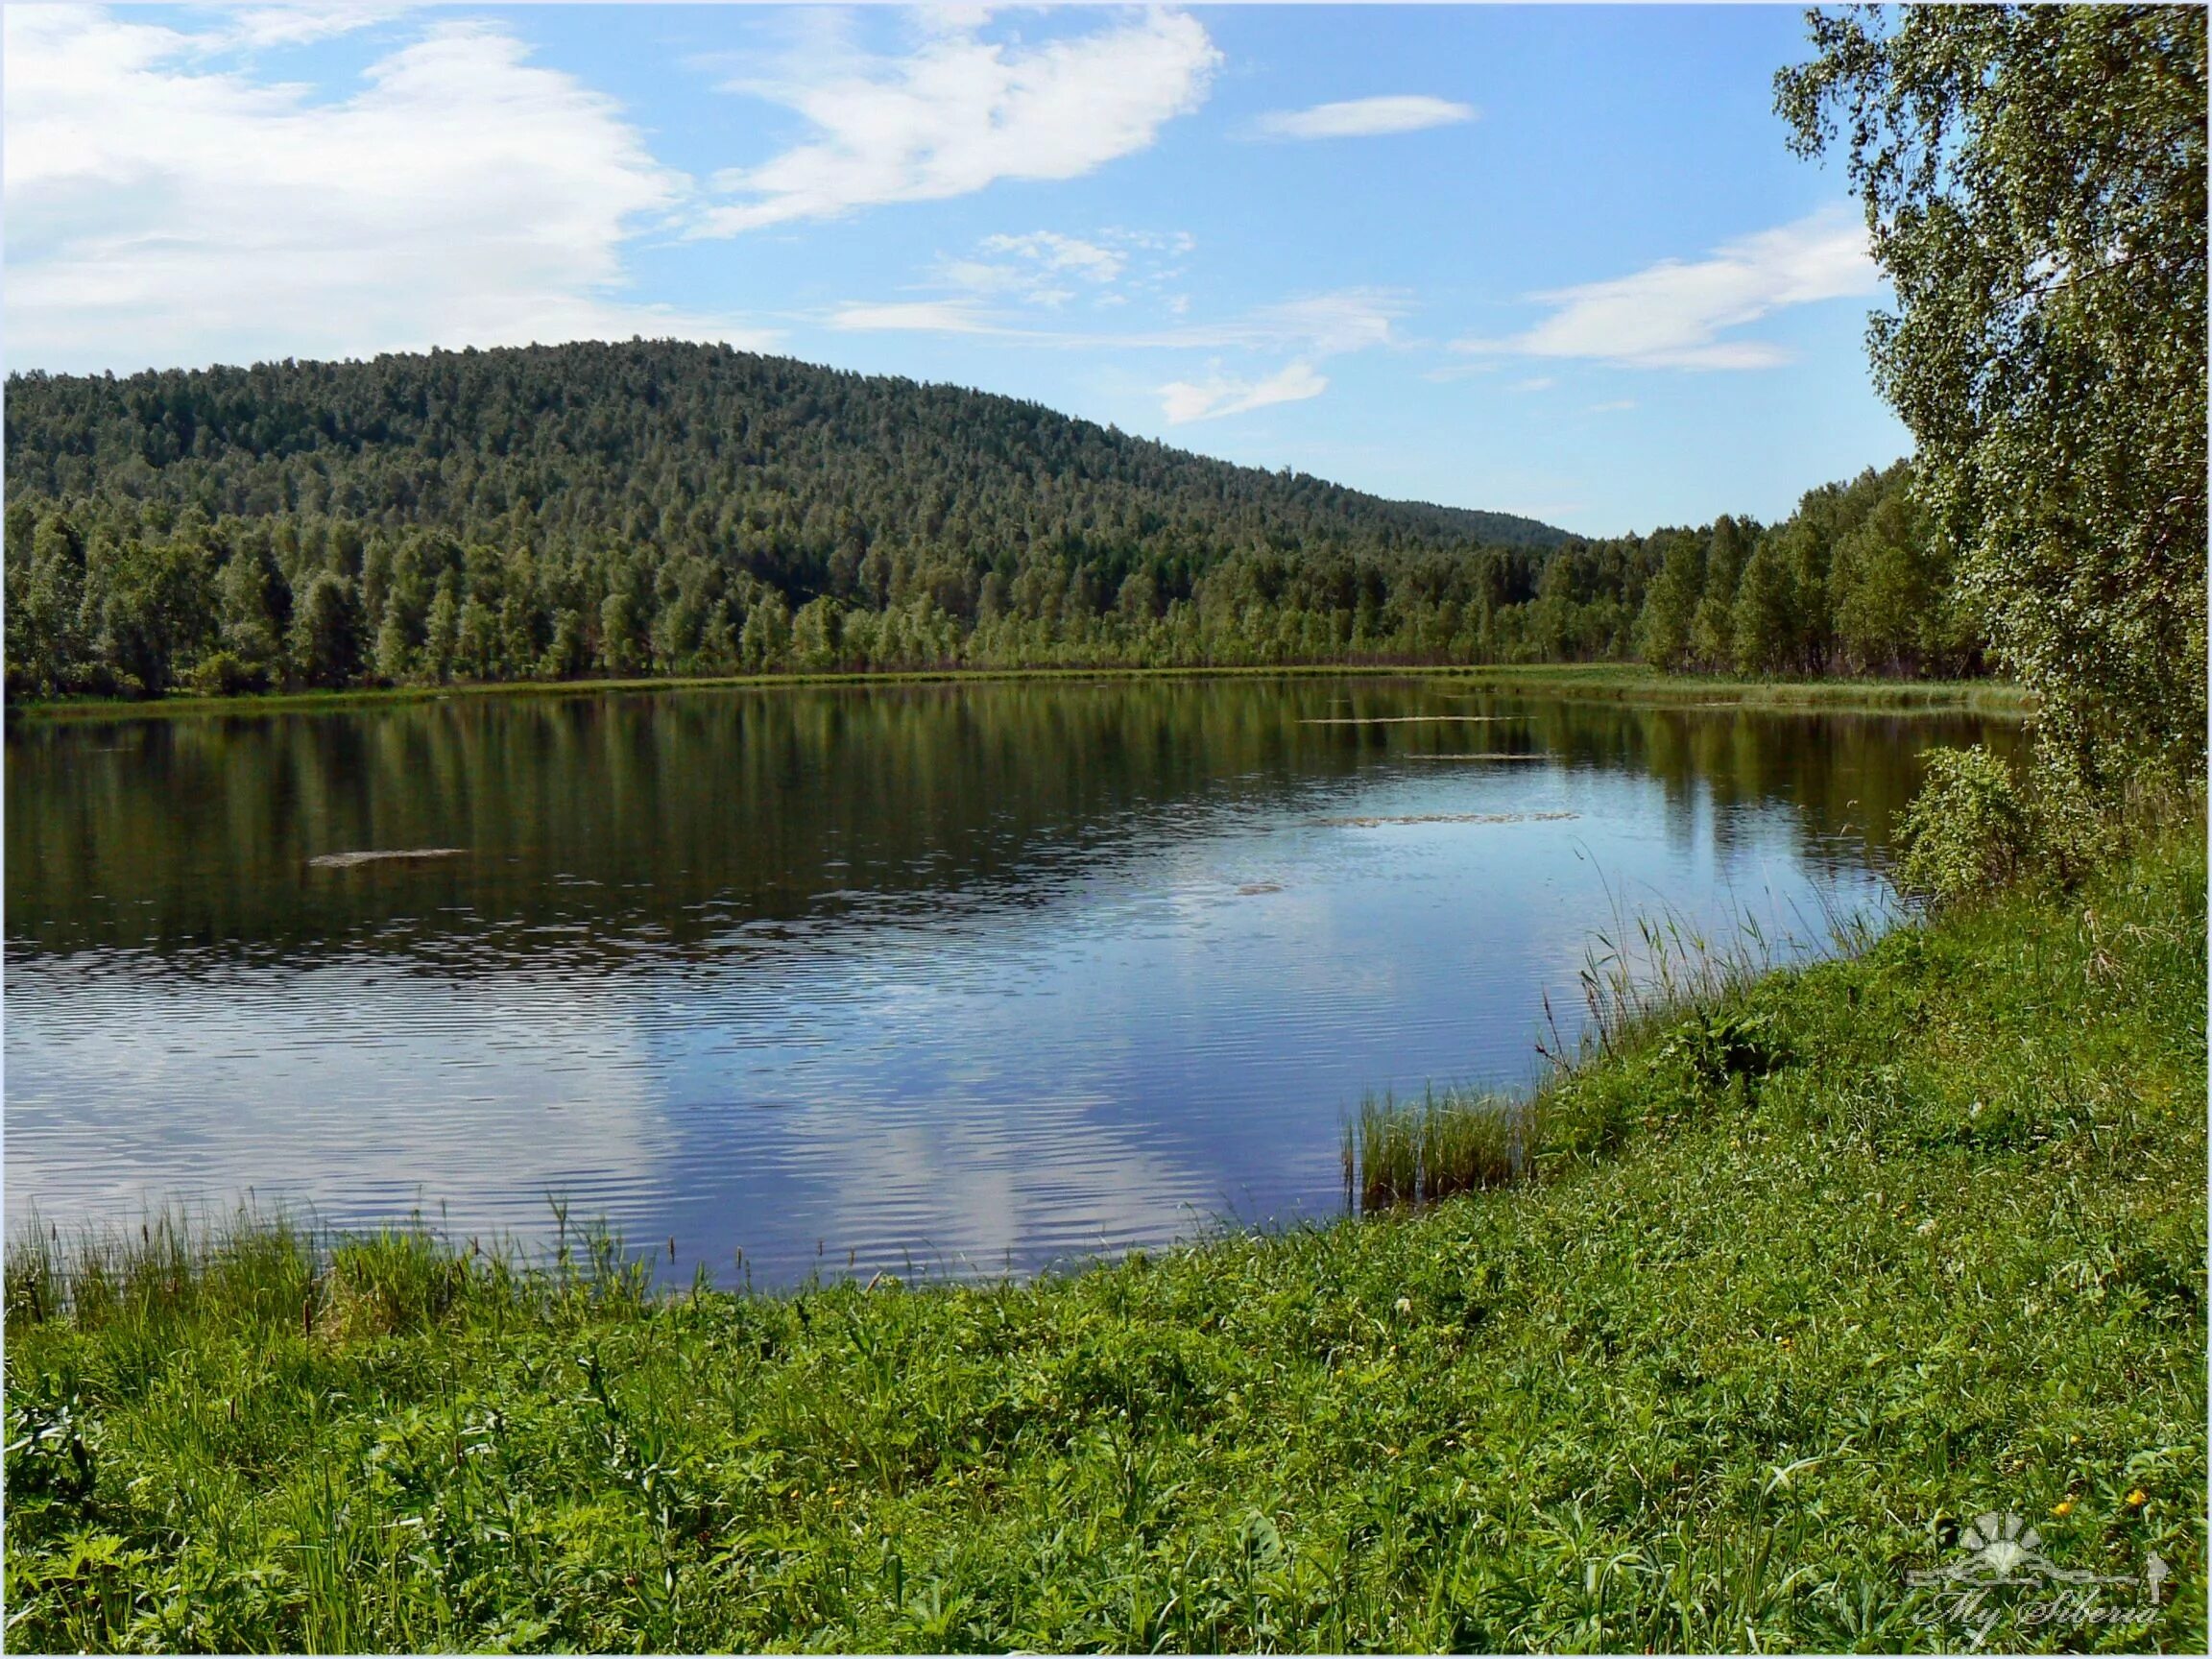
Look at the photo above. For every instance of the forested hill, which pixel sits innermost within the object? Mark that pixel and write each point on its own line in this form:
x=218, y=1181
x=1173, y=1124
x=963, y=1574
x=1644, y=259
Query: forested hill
x=734, y=454
x=657, y=507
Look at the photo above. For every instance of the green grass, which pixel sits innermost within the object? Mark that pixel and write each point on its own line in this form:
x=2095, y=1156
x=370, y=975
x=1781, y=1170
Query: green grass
x=1798, y=1286
x=1633, y=682
x=1611, y=682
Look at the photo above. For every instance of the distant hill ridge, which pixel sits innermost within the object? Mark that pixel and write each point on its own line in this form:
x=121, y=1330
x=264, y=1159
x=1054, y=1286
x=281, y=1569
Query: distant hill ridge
x=741, y=455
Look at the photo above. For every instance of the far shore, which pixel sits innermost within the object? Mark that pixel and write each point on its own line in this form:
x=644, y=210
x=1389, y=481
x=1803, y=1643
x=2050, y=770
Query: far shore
x=1606, y=682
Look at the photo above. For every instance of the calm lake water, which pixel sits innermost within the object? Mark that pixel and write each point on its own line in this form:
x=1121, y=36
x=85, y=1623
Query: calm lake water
x=977, y=977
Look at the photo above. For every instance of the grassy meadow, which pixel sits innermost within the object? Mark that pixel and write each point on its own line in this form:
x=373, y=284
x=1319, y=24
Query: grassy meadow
x=1750, y=1313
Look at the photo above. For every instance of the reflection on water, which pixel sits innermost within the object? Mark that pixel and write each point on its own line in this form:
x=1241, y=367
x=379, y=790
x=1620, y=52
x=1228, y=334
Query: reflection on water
x=977, y=977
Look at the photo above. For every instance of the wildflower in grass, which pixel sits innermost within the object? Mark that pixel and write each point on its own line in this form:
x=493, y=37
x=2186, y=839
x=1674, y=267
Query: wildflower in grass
x=1405, y=1304
x=2138, y=1498
x=2064, y=1507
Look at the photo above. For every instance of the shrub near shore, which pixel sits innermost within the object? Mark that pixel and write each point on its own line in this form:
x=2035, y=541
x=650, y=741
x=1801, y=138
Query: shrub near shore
x=1752, y=1347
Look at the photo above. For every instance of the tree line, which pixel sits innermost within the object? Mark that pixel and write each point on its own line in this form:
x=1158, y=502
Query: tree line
x=666, y=508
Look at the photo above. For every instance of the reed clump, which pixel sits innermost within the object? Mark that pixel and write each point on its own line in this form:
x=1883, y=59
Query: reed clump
x=1397, y=1155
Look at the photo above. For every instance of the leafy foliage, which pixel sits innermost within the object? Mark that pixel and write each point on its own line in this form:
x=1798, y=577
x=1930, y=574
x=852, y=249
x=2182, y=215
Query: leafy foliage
x=2034, y=184
x=1968, y=832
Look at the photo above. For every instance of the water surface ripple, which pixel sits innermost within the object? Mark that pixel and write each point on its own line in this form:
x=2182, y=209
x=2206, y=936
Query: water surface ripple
x=970, y=978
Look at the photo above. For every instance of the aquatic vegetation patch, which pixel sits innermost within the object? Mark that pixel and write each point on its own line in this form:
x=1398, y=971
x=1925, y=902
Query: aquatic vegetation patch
x=351, y=860
x=1409, y=719
x=1374, y=821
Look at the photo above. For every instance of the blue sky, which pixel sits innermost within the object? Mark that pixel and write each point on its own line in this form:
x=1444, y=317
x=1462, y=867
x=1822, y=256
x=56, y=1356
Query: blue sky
x=1554, y=260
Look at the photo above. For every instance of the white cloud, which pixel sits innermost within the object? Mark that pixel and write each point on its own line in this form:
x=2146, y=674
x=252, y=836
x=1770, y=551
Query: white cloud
x=1349, y=320
x=1612, y=405
x=164, y=211
x=1536, y=384
x=1319, y=326
x=1182, y=401
x=1038, y=268
x=1673, y=314
x=261, y=26
x=1056, y=252
x=914, y=317
x=1364, y=117
x=962, y=112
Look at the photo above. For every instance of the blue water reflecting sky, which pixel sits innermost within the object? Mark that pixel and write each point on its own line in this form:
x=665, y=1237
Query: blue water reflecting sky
x=1010, y=1068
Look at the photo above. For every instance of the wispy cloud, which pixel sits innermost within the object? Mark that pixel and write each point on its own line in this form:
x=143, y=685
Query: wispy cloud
x=915, y=317
x=264, y=26
x=1183, y=401
x=1048, y=268
x=1364, y=117
x=1054, y=251
x=1675, y=315
x=162, y=210
x=1315, y=325
x=961, y=112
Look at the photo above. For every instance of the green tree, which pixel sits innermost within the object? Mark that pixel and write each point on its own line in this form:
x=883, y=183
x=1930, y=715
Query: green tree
x=1888, y=590
x=2035, y=185
x=623, y=647
x=1763, y=639
x=47, y=645
x=441, y=629
x=767, y=636
x=327, y=632
x=815, y=633
x=1670, y=605
x=1713, y=625
x=254, y=606
x=149, y=602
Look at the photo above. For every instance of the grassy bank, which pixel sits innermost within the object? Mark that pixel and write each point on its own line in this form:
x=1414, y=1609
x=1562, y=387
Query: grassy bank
x=1611, y=682
x=1633, y=682
x=1764, y=1328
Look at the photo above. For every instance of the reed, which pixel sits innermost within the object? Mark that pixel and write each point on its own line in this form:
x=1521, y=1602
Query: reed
x=1646, y=968
x=1398, y=1155
x=261, y=1271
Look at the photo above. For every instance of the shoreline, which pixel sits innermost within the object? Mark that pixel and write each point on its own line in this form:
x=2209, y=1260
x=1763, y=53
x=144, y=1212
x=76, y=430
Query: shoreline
x=1580, y=681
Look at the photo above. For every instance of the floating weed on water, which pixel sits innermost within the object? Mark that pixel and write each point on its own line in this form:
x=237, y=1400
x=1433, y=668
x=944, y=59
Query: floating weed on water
x=349, y=860
x=1369, y=822
x=1407, y=720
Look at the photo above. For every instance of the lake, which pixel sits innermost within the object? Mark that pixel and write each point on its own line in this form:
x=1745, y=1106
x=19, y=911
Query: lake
x=957, y=978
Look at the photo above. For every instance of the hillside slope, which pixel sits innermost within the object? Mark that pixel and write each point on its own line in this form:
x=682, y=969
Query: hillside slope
x=664, y=440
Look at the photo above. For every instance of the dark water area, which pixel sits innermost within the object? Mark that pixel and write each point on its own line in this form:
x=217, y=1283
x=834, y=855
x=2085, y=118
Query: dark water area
x=968, y=978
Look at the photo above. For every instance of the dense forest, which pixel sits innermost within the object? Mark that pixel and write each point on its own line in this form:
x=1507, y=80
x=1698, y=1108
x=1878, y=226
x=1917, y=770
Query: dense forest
x=661, y=508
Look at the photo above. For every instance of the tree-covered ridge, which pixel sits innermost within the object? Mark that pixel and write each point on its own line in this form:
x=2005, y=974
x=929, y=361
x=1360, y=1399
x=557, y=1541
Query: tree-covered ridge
x=666, y=508
x=799, y=469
